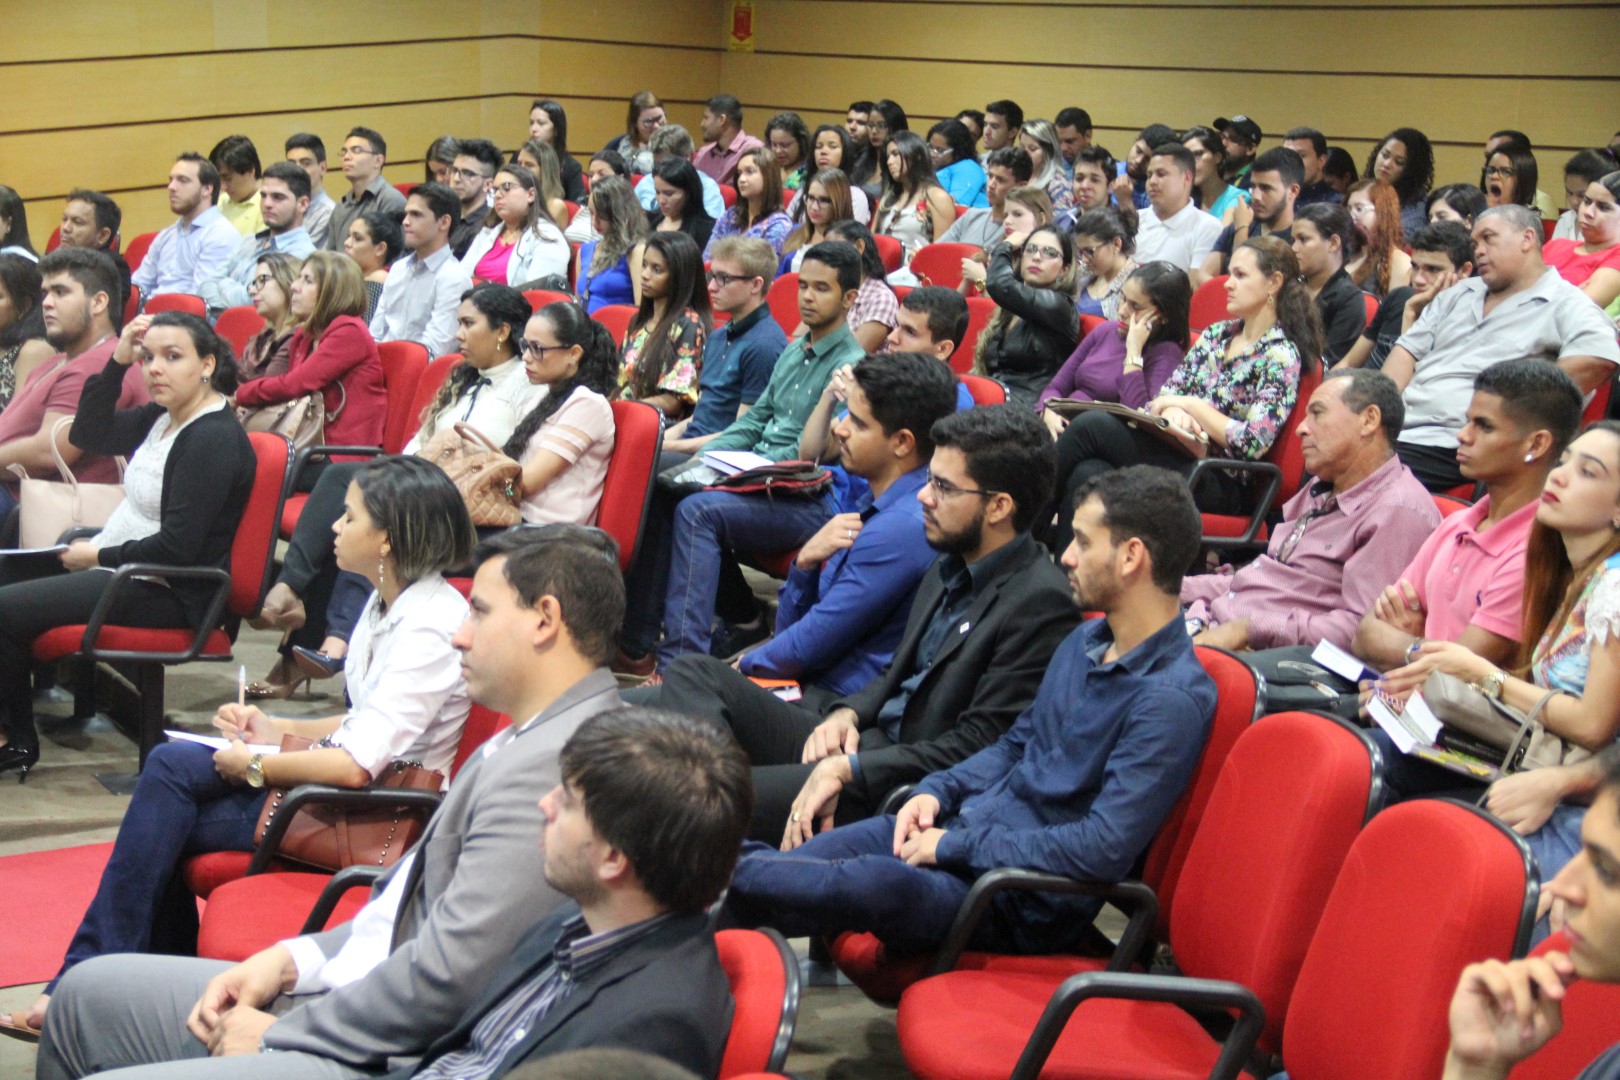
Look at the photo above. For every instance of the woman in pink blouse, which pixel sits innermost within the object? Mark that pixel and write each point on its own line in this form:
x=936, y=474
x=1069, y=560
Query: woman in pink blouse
x=566, y=441
x=663, y=349
x=1592, y=263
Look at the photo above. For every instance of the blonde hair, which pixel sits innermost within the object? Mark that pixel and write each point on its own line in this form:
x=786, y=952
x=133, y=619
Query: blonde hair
x=1036, y=201
x=284, y=270
x=752, y=254
x=1003, y=320
x=340, y=289
x=836, y=185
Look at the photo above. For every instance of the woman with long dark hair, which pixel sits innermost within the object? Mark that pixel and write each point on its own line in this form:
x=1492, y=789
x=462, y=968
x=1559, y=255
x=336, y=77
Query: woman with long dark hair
x=1461, y=203
x=1210, y=189
x=14, y=226
x=565, y=442
x=679, y=193
x=1592, y=263
x=914, y=208
x=375, y=240
x=22, y=323
x=548, y=123
x=831, y=148
x=758, y=210
x=956, y=163
x=519, y=243
x=663, y=348
x=1404, y=159
x=1510, y=175
x=876, y=309
x=1324, y=237
x=1104, y=242
x=787, y=137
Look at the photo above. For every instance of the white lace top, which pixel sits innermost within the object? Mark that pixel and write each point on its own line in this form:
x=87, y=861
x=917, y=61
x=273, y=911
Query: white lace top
x=141, y=513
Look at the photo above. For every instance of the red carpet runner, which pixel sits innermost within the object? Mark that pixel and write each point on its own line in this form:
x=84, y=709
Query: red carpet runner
x=45, y=895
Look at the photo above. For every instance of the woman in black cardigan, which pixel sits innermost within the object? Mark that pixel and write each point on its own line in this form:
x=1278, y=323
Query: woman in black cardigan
x=189, y=476
x=1032, y=280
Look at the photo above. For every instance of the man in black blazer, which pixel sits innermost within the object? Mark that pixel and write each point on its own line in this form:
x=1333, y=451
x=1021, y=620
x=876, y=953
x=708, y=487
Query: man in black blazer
x=642, y=835
x=985, y=623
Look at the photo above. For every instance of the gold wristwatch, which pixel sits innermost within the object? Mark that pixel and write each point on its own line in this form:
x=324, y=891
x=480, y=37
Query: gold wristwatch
x=1491, y=685
x=255, y=771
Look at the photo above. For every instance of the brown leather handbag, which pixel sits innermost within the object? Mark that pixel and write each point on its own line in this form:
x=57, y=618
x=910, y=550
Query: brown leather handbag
x=487, y=479
x=334, y=837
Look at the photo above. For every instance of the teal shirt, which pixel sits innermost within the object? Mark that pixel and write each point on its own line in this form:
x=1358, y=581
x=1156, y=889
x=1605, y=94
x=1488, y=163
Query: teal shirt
x=773, y=426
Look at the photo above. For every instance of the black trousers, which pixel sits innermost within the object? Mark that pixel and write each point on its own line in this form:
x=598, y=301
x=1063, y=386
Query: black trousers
x=310, y=569
x=1095, y=442
x=771, y=732
x=29, y=608
x=1434, y=466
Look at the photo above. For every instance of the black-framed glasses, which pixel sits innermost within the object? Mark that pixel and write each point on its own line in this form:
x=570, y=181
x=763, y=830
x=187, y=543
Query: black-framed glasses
x=1507, y=171
x=720, y=279
x=466, y=174
x=260, y=282
x=530, y=348
x=945, y=489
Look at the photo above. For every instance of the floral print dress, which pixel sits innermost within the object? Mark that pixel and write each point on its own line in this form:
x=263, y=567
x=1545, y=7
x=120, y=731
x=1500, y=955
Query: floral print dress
x=1256, y=390
x=680, y=378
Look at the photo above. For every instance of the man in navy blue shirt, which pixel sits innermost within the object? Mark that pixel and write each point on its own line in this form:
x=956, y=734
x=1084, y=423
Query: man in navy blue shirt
x=1077, y=787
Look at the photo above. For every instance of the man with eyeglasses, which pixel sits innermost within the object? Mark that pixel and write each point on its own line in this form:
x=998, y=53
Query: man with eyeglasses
x=981, y=632
x=364, y=154
x=1078, y=786
x=1343, y=539
x=283, y=198
x=471, y=174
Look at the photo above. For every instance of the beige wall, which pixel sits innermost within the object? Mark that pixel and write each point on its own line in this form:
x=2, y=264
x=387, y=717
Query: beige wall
x=165, y=77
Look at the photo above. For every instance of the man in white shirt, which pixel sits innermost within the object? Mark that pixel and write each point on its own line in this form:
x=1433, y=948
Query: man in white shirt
x=546, y=606
x=423, y=291
x=1173, y=230
x=308, y=152
x=197, y=246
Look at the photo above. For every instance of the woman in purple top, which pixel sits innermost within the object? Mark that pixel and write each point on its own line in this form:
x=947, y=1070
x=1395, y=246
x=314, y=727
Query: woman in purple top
x=1127, y=360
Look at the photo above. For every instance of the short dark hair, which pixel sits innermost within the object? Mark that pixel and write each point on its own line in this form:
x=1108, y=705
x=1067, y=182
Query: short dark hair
x=296, y=179
x=486, y=152
x=1008, y=111
x=1109, y=223
x=1007, y=449
x=1465, y=199
x=859, y=106
x=19, y=276
x=1367, y=387
x=957, y=137
x=1512, y=134
x=108, y=215
x=306, y=141
x=1590, y=165
x=379, y=145
x=425, y=517
x=386, y=230
x=974, y=115
x=908, y=392
x=92, y=268
x=613, y=160
x=206, y=342
x=1451, y=238
x=1016, y=160
x=844, y=259
x=440, y=199
x=1154, y=134
x=236, y=153
x=1535, y=395
x=1317, y=140
x=671, y=792
x=1284, y=162
x=1098, y=156
x=576, y=564
x=1155, y=506
x=728, y=106
x=946, y=309
x=207, y=175
x=1073, y=117
x=1178, y=153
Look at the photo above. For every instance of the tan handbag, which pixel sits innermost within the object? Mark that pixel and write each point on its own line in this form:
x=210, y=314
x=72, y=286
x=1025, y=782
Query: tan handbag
x=1524, y=742
x=334, y=837
x=52, y=507
x=302, y=421
x=487, y=479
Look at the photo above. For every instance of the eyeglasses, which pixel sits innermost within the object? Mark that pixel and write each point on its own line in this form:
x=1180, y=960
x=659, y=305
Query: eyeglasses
x=1507, y=171
x=466, y=174
x=356, y=151
x=945, y=489
x=1045, y=252
x=1086, y=252
x=530, y=348
x=939, y=151
x=817, y=200
x=260, y=282
x=720, y=279
x=651, y=122
x=509, y=187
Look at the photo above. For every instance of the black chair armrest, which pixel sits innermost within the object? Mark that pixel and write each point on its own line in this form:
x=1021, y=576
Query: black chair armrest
x=1171, y=989
x=1262, y=506
x=894, y=800
x=212, y=616
x=322, y=452
x=1133, y=896
x=348, y=878
x=78, y=532
x=305, y=796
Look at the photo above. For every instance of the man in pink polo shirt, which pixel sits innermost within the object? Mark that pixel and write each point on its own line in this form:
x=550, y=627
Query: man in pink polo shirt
x=1466, y=583
x=724, y=142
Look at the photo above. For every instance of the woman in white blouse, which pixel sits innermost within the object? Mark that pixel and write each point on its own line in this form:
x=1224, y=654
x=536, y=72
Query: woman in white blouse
x=403, y=525
x=520, y=242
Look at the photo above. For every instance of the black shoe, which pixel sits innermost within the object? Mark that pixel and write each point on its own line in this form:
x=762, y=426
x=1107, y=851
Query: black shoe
x=731, y=640
x=22, y=758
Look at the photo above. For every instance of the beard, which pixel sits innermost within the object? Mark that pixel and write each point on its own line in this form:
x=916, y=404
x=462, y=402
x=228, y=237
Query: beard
x=962, y=542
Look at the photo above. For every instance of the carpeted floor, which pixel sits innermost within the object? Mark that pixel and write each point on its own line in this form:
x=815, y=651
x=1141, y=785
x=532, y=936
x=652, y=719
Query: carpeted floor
x=46, y=893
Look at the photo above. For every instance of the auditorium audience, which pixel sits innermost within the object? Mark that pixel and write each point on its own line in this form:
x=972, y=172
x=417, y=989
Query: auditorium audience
x=282, y=198
x=1211, y=191
x=831, y=148
x=610, y=268
x=546, y=604
x=873, y=314
x=1456, y=202
x=471, y=175
x=914, y=209
x=983, y=226
x=605, y=163
x=1592, y=263
x=886, y=119
x=1078, y=785
x=1312, y=148
x=1129, y=357
x=1343, y=538
x=1381, y=265
x=1131, y=183
x=724, y=141
x=678, y=198
x=1003, y=124
x=956, y=166
x=364, y=154
x=672, y=141
x=1526, y=310
x=520, y=243
x=308, y=152
x=419, y=298
x=1323, y=239
x=1510, y=175
x=1073, y=127
x=237, y=161
x=196, y=247
x=787, y=137
x=22, y=324
x=1105, y=245
x=92, y=220
x=374, y=242
x=14, y=226
x=1032, y=281
x=1583, y=170
x=825, y=201
x=855, y=118
x=644, y=117
x=1172, y=228
x=1273, y=198
x=663, y=347
x=548, y=124
x=1404, y=159
x=187, y=427
x=269, y=352
x=1442, y=254
x=439, y=159
x=1240, y=138
x=1039, y=140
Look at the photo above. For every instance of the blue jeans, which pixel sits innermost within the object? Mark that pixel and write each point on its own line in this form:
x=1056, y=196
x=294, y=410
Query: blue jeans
x=707, y=526
x=846, y=879
x=181, y=807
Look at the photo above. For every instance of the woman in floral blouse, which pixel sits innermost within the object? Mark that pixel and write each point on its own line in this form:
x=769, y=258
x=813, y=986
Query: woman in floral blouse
x=1230, y=397
x=663, y=350
x=758, y=210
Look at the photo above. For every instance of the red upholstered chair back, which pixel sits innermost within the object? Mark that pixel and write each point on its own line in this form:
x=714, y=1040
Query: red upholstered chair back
x=616, y=317
x=787, y=198
x=237, y=325
x=132, y=306
x=403, y=363
x=255, y=542
x=406, y=188
x=1287, y=806
x=1447, y=505
x=539, y=298
x=1287, y=453
x=1598, y=407
x=638, y=431
x=890, y=252
x=985, y=391
x=55, y=241
x=783, y=299
x=1237, y=705
x=980, y=308
x=1208, y=305
x=135, y=254
x=1372, y=306
x=177, y=301
x=427, y=387
x=728, y=195
x=1429, y=887
x=941, y=264
x=1088, y=323
x=1591, y=1026
x=481, y=724
x=764, y=979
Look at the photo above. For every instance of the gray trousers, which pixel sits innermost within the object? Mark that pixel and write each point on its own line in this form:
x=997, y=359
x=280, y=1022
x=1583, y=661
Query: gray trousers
x=125, y=1015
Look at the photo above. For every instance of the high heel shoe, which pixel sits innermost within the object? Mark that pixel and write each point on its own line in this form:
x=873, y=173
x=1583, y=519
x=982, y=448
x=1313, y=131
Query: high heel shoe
x=317, y=665
x=267, y=691
x=22, y=758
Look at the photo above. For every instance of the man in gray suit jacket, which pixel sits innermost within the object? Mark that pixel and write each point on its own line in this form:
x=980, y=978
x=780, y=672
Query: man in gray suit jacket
x=376, y=992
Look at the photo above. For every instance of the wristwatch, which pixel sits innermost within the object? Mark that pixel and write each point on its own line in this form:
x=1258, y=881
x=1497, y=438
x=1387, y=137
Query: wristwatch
x=255, y=771
x=1196, y=626
x=1491, y=685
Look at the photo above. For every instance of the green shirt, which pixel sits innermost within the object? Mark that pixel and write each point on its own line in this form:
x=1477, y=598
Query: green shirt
x=773, y=426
